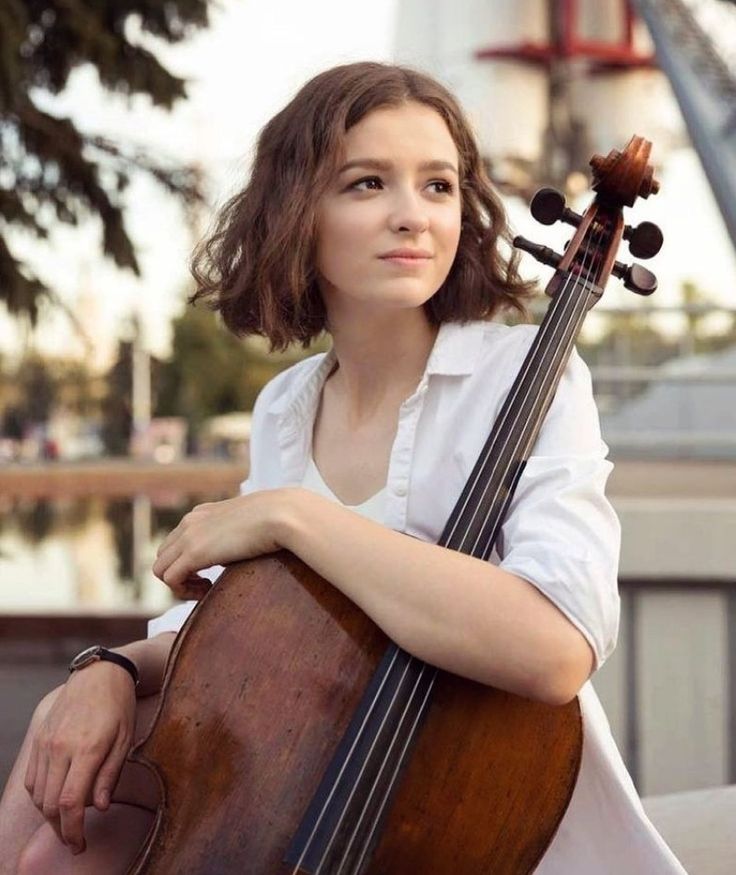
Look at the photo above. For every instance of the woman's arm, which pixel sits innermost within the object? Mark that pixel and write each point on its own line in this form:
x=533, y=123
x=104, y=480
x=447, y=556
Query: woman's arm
x=80, y=746
x=448, y=609
x=149, y=656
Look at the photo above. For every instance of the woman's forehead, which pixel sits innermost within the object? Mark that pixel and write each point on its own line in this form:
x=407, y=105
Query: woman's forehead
x=386, y=134
x=406, y=115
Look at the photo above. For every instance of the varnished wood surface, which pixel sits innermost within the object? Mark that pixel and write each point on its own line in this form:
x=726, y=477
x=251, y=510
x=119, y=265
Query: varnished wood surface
x=262, y=683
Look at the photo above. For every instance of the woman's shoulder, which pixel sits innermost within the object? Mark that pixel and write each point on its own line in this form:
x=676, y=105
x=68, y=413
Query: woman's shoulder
x=511, y=343
x=281, y=388
x=502, y=354
x=509, y=337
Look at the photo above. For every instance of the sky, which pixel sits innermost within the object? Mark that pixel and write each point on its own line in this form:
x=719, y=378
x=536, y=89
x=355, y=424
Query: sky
x=243, y=69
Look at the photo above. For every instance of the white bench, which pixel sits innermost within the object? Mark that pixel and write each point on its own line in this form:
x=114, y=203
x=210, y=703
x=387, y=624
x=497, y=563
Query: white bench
x=699, y=826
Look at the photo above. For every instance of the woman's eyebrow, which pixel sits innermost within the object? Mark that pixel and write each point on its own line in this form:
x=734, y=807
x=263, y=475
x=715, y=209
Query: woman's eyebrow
x=377, y=164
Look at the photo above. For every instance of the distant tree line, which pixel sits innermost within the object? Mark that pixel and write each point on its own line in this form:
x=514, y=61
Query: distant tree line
x=210, y=372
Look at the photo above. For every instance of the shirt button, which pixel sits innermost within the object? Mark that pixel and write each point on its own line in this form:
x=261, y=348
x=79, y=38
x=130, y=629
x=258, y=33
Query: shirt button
x=400, y=489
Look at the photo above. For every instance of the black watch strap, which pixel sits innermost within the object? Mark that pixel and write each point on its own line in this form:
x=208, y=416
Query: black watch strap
x=93, y=654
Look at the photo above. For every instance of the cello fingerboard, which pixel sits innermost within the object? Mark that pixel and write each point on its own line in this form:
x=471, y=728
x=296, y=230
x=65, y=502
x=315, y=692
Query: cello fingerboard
x=342, y=823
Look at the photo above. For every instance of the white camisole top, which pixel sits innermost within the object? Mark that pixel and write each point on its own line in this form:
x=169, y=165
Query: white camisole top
x=372, y=508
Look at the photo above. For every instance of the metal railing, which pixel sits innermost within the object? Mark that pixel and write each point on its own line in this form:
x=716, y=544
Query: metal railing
x=685, y=418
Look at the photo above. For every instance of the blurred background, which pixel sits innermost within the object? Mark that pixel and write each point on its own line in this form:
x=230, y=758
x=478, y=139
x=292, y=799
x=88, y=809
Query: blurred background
x=123, y=126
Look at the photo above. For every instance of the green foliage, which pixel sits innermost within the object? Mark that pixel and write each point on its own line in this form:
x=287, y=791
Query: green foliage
x=117, y=406
x=32, y=390
x=49, y=170
x=211, y=371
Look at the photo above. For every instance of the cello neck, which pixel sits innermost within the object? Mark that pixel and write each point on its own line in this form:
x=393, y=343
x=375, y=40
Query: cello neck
x=475, y=522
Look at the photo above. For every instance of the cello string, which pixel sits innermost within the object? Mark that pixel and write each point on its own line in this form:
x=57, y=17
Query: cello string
x=581, y=304
x=516, y=389
x=402, y=755
x=354, y=833
x=362, y=768
x=430, y=685
x=569, y=281
x=345, y=763
x=506, y=499
x=569, y=303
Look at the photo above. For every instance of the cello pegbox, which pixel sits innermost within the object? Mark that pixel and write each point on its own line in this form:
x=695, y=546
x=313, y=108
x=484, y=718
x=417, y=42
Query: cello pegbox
x=636, y=278
x=548, y=207
x=645, y=240
x=543, y=254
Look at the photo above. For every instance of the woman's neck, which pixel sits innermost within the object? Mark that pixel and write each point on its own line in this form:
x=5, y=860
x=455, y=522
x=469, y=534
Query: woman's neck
x=379, y=360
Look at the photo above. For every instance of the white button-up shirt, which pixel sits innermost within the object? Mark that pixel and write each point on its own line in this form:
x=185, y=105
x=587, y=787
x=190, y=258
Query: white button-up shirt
x=560, y=534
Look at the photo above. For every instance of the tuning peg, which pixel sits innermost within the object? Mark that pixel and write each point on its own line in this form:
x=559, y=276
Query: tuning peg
x=645, y=240
x=636, y=278
x=548, y=207
x=541, y=253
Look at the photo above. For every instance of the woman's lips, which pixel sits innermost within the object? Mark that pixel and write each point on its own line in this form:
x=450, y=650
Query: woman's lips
x=404, y=260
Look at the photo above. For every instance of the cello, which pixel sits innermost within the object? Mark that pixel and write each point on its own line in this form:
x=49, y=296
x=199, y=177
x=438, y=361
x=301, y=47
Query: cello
x=292, y=736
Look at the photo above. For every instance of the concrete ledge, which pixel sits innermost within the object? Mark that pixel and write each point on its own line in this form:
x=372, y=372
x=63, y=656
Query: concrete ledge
x=121, y=476
x=699, y=826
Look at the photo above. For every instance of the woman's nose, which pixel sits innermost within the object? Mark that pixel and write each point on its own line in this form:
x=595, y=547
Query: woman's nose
x=409, y=213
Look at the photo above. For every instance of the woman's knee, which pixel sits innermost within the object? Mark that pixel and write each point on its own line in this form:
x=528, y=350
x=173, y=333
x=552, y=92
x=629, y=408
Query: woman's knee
x=114, y=839
x=44, y=853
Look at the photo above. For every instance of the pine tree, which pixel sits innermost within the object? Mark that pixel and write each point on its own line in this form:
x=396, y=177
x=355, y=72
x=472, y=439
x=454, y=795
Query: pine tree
x=47, y=166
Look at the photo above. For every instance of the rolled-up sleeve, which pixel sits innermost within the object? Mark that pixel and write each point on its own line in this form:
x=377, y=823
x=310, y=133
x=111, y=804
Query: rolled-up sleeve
x=173, y=619
x=561, y=532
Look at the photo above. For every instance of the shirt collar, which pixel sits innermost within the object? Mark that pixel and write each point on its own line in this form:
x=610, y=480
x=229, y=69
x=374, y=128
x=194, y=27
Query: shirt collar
x=455, y=352
x=456, y=348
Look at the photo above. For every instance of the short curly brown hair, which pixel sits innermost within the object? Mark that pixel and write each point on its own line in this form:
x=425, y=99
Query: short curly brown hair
x=257, y=265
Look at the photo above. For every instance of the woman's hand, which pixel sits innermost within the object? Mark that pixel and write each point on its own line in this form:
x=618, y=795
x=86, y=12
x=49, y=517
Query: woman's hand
x=220, y=532
x=80, y=748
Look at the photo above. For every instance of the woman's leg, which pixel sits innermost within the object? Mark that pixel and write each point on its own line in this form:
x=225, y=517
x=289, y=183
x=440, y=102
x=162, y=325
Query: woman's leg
x=114, y=838
x=22, y=824
x=19, y=817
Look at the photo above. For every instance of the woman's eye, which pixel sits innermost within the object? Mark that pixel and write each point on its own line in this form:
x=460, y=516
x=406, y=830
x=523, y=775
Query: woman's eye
x=366, y=179
x=447, y=186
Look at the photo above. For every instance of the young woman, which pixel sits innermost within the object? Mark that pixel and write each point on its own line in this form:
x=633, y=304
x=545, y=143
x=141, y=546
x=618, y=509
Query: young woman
x=368, y=215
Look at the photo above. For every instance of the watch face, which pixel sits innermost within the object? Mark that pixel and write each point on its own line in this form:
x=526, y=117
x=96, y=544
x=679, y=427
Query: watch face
x=85, y=657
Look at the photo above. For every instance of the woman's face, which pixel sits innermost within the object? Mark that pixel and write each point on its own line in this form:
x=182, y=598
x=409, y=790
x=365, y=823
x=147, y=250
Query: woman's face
x=390, y=199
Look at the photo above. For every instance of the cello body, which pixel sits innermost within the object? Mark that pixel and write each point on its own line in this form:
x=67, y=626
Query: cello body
x=276, y=658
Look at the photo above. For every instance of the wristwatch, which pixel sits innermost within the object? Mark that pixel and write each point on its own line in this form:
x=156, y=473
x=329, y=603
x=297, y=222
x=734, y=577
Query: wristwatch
x=96, y=653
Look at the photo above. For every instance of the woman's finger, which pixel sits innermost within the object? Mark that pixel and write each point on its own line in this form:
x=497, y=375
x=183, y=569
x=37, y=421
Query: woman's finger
x=179, y=571
x=55, y=777
x=31, y=769
x=74, y=795
x=39, y=784
x=195, y=587
x=183, y=580
x=164, y=559
x=108, y=775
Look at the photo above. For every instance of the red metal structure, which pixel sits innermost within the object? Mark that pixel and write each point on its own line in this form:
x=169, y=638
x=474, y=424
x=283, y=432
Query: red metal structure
x=566, y=43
